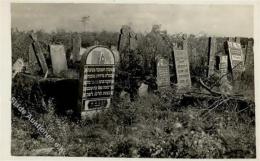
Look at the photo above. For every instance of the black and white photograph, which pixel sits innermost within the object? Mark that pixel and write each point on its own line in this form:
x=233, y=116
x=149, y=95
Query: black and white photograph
x=132, y=80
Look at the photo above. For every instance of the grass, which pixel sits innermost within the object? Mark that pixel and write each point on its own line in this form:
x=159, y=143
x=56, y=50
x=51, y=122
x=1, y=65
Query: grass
x=148, y=127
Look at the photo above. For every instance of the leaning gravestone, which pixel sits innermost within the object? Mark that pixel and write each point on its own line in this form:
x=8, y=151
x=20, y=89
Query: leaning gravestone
x=212, y=52
x=39, y=54
x=58, y=58
x=182, y=69
x=33, y=64
x=236, y=59
x=97, y=72
x=163, y=73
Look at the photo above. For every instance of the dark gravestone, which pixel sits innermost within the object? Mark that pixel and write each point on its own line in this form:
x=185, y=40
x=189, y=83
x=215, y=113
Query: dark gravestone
x=212, y=52
x=127, y=39
x=182, y=69
x=33, y=65
x=58, y=58
x=39, y=54
x=76, y=42
x=236, y=59
x=249, y=56
x=96, y=87
x=163, y=73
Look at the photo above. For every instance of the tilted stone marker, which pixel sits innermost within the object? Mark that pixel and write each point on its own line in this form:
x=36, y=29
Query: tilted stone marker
x=97, y=72
x=39, y=54
x=236, y=59
x=76, y=42
x=212, y=52
x=34, y=67
x=163, y=73
x=58, y=58
x=182, y=68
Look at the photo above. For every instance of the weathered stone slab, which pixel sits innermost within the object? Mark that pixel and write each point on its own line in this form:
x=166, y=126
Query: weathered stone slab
x=97, y=72
x=143, y=90
x=76, y=42
x=182, y=68
x=33, y=65
x=163, y=73
x=17, y=67
x=236, y=59
x=39, y=54
x=212, y=54
x=58, y=58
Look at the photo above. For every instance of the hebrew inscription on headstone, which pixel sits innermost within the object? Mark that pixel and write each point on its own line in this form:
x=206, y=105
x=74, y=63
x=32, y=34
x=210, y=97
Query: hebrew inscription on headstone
x=97, y=74
x=236, y=59
x=182, y=68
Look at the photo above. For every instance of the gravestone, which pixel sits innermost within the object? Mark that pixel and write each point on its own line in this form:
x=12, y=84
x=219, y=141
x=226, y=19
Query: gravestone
x=17, y=67
x=127, y=39
x=249, y=57
x=237, y=39
x=76, y=42
x=39, y=54
x=58, y=58
x=33, y=64
x=236, y=59
x=143, y=90
x=97, y=72
x=116, y=54
x=163, y=73
x=212, y=52
x=182, y=69
x=225, y=86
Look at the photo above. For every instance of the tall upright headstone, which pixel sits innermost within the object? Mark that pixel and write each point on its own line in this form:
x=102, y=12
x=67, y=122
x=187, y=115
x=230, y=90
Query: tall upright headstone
x=58, y=58
x=39, y=54
x=212, y=54
x=225, y=86
x=76, y=42
x=163, y=73
x=182, y=68
x=249, y=57
x=97, y=72
x=236, y=59
x=127, y=39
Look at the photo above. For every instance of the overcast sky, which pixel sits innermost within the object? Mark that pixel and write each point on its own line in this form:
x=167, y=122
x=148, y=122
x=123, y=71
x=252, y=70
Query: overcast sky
x=220, y=20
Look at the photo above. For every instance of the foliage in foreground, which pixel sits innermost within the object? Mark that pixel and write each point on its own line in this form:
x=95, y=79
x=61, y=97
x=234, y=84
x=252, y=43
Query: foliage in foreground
x=157, y=126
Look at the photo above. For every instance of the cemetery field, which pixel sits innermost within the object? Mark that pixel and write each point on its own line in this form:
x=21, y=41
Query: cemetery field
x=126, y=94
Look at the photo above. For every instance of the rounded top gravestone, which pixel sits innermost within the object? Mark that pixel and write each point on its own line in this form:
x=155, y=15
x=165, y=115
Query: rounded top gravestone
x=96, y=84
